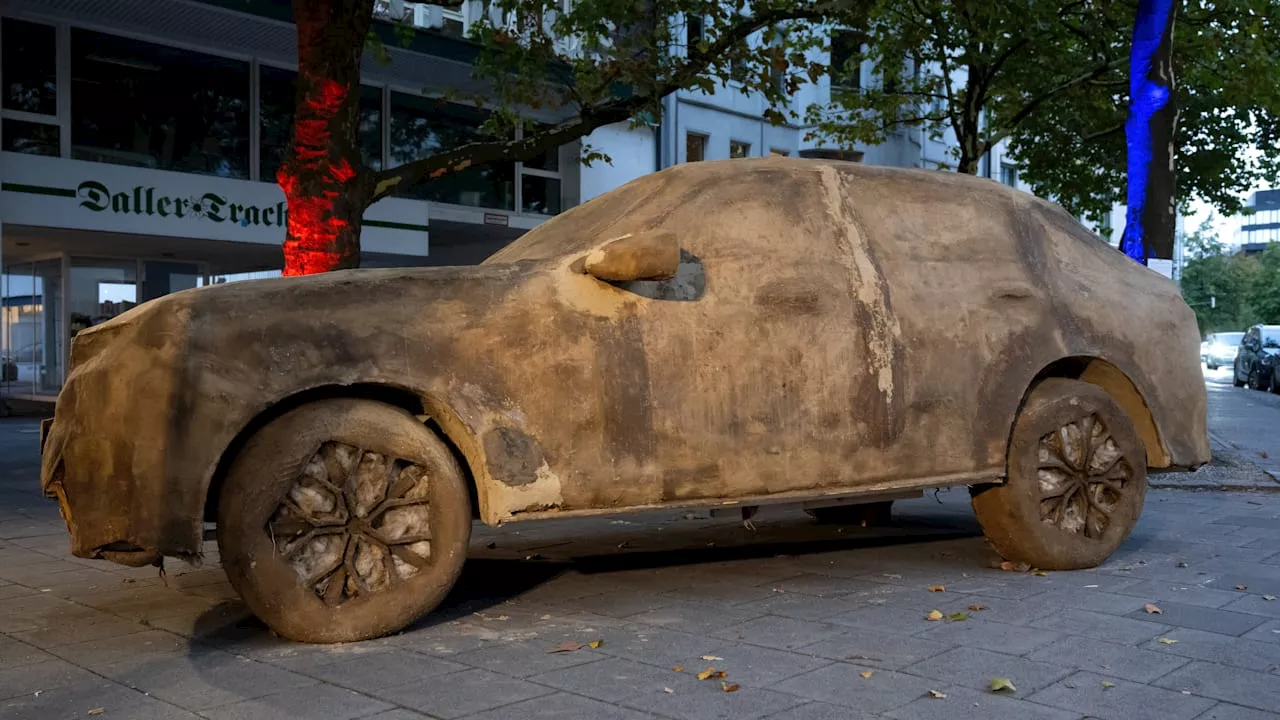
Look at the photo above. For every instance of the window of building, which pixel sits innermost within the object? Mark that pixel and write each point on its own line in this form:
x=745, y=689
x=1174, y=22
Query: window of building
x=695, y=147
x=739, y=149
x=146, y=105
x=421, y=127
x=1009, y=174
x=694, y=29
x=30, y=103
x=540, y=185
x=779, y=153
x=30, y=58
x=276, y=100
x=846, y=60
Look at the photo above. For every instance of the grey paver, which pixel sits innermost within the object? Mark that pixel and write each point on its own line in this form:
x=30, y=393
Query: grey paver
x=1242, y=687
x=1102, y=626
x=822, y=711
x=41, y=676
x=326, y=701
x=1256, y=605
x=462, y=693
x=1227, y=711
x=1159, y=591
x=388, y=667
x=1215, y=620
x=842, y=684
x=76, y=700
x=1266, y=632
x=561, y=706
x=523, y=659
x=759, y=666
x=657, y=646
x=965, y=704
x=16, y=654
x=205, y=680
x=612, y=679
x=1224, y=649
x=798, y=605
x=707, y=701
x=974, y=668
x=878, y=649
x=1099, y=656
x=117, y=656
x=694, y=617
x=989, y=635
x=1085, y=693
x=780, y=632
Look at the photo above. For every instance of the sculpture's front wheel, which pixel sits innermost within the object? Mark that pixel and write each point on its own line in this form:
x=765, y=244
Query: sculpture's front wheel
x=343, y=520
x=1077, y=477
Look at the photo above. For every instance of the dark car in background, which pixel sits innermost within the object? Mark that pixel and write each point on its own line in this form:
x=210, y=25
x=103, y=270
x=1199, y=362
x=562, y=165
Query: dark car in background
x=1257, y=357
x=1220, y=349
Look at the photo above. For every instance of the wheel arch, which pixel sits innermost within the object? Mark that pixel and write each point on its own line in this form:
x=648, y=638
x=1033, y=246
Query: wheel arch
x=1121, y=387
x=437, y=417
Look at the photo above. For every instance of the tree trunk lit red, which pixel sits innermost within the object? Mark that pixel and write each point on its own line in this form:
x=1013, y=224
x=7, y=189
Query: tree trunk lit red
x=323, y=177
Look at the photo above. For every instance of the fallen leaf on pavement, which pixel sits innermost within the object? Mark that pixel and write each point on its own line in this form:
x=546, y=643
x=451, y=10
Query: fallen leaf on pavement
x=866, y=674
x=706, y=673
x=595, y=644
x=999, y=683
x=678, y=668
x=1182, y=564
x=503, y=618
x=1268, y=597
x=667, y=690
x=729, y=687
x=128, y=581
x=936, y=695
x=937, y=588
x=566, y=646
x=1166, y=641
x=1107, y=684
x=1152, y=609
x=1242, y=587
x=711, y=658
x=1040, y=573
x=957, y=617
x=96, y=711
x=1263, y=455
x=977, y=608
x=934, y=615
x=1014, y=567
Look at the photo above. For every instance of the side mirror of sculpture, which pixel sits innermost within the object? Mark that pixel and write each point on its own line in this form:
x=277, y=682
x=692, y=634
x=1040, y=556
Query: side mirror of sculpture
x=631, y=257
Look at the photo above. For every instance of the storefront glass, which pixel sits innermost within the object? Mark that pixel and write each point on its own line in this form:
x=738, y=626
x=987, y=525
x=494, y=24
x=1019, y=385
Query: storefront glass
x=30, y=322
x=146, y=105
x=100, y=290
x=421, y=127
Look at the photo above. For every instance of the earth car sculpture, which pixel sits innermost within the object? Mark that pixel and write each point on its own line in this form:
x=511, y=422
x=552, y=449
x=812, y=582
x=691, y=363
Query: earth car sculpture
x=741, y=333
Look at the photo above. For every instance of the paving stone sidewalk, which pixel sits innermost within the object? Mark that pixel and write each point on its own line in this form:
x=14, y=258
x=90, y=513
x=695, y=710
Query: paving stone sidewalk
x=809, y=622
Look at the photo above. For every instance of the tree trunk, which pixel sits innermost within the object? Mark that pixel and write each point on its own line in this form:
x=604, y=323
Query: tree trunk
x=323, y=177
x=1149, y=134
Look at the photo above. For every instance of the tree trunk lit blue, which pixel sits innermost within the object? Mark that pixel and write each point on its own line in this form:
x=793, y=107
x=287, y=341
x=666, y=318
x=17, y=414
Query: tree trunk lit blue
x=1149, y=133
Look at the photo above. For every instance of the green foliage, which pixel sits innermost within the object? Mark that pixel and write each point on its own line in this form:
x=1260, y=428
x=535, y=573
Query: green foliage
x=535, y=55
x=1052, y=77
x=1226, y=291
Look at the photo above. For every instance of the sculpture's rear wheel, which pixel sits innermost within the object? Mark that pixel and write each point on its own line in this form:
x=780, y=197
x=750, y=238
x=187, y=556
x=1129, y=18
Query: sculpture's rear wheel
x=1077, y=477
x=343, y=520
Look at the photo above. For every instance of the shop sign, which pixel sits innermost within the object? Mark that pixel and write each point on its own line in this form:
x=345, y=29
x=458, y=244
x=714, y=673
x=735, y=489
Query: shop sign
x=80, y=195
x=147, y=201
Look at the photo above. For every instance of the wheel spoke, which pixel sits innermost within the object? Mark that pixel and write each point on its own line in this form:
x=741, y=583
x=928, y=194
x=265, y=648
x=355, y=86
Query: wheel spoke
x=410, y=557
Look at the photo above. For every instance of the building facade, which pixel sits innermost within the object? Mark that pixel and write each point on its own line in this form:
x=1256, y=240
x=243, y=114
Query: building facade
x=139, y=142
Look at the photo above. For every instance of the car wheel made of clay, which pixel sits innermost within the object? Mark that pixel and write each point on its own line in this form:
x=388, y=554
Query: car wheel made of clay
x=1077, y=478
x=343, y=520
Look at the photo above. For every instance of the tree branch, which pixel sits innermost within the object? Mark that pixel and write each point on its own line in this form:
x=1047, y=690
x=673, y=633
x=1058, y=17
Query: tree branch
x=1102, y=133
x=1035, y=102
x=389, y=182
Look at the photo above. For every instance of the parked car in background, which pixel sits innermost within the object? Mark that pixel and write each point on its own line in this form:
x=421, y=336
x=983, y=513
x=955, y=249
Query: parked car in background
x=1257, y=357
x=1219, y=349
